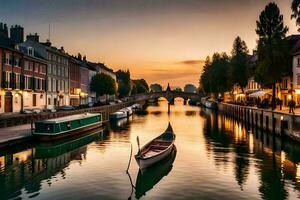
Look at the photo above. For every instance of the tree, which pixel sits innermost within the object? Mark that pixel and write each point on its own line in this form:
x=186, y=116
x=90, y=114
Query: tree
x=103, y=84
x=204, y=82
x=155, y=87
x=190, y=88
x=215, y=76
x=273, y=54
x=177, y=89
x=141, y=86
x=124, y=83
x=296, y=11
x=239, y=64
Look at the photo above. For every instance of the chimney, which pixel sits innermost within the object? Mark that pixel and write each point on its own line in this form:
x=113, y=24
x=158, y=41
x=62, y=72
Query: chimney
x=34, y=37
x=47, y=43
x=62, y=49
x=17, y=34
x=3, y=30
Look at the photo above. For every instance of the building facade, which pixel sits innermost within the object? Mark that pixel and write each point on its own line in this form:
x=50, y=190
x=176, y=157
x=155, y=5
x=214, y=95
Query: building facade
x=58, y=78
x=75, y=90
x=57, y=71
x=23, y=75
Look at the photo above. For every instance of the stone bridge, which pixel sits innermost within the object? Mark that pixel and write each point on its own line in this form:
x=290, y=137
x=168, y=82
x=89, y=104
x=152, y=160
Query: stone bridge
x=169, y=94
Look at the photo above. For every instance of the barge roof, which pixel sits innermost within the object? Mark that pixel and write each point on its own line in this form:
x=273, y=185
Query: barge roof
x=70, y=118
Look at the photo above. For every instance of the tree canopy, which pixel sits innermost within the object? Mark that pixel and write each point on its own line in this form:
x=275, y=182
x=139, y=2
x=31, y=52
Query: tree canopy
x=155, y=87
x=273, y=53
x=190, y=88
x=124, y=83
x=296, y=11
x=239, y=63
x=103, y=84
x=215, y=75
x=141, y=86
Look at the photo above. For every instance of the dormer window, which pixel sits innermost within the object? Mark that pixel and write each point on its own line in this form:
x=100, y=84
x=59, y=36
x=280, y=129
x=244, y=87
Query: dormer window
x=30, y=51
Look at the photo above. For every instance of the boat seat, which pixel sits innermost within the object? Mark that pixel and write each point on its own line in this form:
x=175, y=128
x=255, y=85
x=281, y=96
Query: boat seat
x=158, y=146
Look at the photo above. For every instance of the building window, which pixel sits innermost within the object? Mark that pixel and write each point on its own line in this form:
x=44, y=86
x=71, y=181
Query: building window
x=67, y=86
x=54, y=69
x=8, y=59
x=54, y=89
x=49, y=69
x=26, y=83
x=36, y=67
x=30, y=51
x=31, y=66
x=18, y=81
x=298, y=79
x=49, y=101
x=67, y=72
x=58, y=70
x=43, y=69
x=49, y=84
x=17, y=62
x=26, y=65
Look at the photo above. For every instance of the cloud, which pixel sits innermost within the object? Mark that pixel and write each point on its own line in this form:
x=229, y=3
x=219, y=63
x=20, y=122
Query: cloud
x=192, y=62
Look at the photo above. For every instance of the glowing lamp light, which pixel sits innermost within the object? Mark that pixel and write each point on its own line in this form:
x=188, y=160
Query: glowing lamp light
x=281, y=118
x=297, y=91
x=289, y=97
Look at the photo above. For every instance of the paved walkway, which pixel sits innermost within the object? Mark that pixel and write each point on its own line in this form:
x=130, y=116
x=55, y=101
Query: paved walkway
x=15, y=133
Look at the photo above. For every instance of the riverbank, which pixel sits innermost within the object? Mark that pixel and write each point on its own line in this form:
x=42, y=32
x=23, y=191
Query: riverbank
x=16, y=129
x=277, y=122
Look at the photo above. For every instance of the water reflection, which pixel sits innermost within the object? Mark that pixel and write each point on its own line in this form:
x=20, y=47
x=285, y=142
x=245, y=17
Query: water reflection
x=149, y=177
x=120, y=124
x=275, y=161
x=216, y=158
x=28, y=168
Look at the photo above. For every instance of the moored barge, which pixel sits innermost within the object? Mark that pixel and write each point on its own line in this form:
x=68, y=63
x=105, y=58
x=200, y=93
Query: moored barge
x=58, y=128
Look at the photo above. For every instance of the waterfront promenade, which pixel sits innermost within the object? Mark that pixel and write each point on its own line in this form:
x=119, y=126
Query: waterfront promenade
x=16, y=128
x=278, y=122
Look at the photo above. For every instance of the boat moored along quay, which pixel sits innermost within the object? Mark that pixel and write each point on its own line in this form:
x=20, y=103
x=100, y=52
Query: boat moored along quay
x=63, y=127
x=122, y=113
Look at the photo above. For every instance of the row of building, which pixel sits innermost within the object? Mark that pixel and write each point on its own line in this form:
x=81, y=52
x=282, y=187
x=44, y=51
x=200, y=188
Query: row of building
x=36, y=74
x=289, y=87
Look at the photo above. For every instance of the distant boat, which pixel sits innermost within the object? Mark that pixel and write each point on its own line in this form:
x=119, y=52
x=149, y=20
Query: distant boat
x=118, y=115
x=136, y=106
x=63, y=127
x=208, y=103
x=148, y=178
x=156, y=149
x=123, y=113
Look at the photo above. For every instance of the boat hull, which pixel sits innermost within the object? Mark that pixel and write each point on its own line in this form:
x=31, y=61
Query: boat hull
x=145, y=163
x=118, y=116
x=71, y=133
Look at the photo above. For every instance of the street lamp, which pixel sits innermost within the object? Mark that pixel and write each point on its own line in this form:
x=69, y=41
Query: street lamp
x=81, y=96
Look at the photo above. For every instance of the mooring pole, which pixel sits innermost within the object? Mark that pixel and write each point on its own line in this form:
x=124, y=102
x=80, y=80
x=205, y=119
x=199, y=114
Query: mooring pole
x=168, y=108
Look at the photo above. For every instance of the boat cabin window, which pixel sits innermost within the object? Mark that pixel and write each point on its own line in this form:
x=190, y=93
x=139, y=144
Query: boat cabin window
x=44, y=128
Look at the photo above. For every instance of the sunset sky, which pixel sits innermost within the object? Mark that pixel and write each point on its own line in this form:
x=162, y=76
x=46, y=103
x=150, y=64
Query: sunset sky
x=159, y=40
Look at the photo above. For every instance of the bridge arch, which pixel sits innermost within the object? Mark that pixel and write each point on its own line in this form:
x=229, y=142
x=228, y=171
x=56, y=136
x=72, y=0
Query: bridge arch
x=169, y=95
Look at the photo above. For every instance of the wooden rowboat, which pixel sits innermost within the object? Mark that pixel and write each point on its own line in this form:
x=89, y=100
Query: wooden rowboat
x=156, y=149
x=149, y=177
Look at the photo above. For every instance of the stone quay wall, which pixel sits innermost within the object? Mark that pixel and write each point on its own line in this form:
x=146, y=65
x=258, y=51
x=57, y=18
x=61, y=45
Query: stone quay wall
x=18, y=119
x=277, y=122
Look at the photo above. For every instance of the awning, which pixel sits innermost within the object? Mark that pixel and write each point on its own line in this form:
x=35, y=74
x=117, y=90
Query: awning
x=258, y=94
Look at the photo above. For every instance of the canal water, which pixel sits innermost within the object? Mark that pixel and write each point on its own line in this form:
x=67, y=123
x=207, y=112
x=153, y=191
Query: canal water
x=216, y=158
